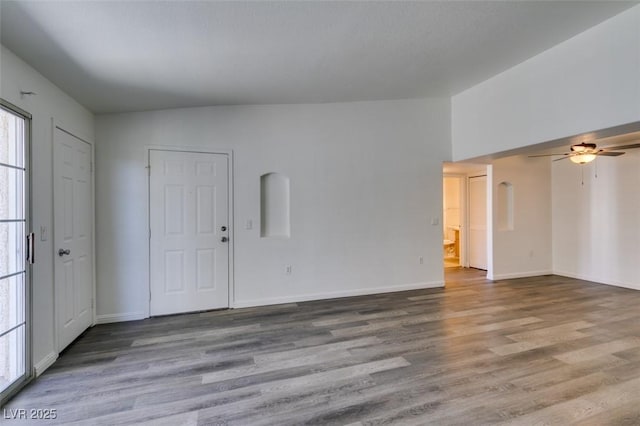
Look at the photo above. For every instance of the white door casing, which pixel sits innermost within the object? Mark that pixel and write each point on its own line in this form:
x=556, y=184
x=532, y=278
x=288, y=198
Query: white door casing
x=189, y=231
x=478, y=222
x=73, y=236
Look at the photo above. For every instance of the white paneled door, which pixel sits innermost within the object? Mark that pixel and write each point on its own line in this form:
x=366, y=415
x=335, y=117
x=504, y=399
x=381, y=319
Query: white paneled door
x=73, y=236
x=478, y=222
x=189, y=235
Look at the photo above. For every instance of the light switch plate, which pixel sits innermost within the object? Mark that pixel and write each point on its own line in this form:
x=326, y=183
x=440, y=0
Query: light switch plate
x=44, y=233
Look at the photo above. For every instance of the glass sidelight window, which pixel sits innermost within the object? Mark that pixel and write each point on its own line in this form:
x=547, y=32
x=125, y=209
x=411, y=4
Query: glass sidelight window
x=16, y=252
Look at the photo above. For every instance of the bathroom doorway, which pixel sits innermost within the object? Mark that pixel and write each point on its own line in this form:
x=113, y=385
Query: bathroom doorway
x=452, y=219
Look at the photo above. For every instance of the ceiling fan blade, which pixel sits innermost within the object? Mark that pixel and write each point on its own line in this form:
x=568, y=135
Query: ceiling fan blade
x=609, y=153
x=544, y=155
x=563, y=158
x=631, y=146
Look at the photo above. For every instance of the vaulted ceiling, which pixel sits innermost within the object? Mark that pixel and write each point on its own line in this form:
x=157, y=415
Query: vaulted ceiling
x=115, y=56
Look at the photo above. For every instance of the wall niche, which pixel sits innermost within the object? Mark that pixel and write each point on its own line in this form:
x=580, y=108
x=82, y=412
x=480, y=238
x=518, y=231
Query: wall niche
x=505, y=206
x=275, y=220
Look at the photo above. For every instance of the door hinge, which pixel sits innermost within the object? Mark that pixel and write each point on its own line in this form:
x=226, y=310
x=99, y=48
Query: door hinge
x=148, y=169
x=149, y=296
x=149, y=233
x=92, y=304
x=91, y=167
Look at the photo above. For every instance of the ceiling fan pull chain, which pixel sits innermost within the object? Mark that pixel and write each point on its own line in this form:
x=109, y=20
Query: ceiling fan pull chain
x=582, y=173
x=596, y=166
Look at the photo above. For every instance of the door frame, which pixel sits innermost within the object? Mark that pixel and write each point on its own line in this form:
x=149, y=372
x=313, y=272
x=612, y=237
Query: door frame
x=57, y=124
x=29, y=373
x=230, y=173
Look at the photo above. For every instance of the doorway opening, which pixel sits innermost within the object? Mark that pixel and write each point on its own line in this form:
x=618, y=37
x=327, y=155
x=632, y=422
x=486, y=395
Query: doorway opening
x=465, y=224
x=451, y=219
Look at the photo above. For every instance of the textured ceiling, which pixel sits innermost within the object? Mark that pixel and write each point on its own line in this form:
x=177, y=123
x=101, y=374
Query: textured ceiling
x=115, y=56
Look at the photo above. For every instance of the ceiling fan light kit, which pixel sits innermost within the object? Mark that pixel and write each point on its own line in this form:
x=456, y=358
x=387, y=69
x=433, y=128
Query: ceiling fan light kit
x=582, y=158
x=584, y=152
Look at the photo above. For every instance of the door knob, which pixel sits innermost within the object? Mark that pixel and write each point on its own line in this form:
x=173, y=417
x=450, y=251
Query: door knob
x=224, y=239
x=224, y=228
x=62, y=252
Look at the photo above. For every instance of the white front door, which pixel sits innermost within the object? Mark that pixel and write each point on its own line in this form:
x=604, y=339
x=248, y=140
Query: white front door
x=478, y=222
x=73, y=239
x=189, y=248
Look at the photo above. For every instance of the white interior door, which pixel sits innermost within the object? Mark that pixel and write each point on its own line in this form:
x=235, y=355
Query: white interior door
x=189, y=248
x=478, y=222
x=73, y=229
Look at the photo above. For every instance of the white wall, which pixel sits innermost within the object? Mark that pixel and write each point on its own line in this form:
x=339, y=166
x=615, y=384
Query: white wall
x=596, y=226
x=524, y=250
x=589, y=82
x=366, y=179
x=50, y=102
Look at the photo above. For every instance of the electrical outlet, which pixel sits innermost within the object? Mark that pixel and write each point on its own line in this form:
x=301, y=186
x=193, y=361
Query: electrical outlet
x=288, y=269
x=435, y=221
x=421, y=260
x=249, y=224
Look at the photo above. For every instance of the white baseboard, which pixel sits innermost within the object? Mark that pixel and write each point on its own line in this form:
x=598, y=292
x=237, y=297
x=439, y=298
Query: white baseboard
x=129, y=316
x=520, y=275
x=132, y=316
x=334, y=295
x=583, y=277
x=45, y=363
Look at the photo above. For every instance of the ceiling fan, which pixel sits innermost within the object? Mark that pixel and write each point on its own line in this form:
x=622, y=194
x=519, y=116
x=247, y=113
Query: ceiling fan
x=586, y=152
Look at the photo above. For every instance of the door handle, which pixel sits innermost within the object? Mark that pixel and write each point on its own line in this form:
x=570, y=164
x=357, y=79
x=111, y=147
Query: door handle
x=31, y=249
x=224, y=239
x=62, y=252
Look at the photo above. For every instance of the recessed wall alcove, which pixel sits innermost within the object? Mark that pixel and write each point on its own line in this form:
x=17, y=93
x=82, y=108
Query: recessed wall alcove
x=505, y=206
x=275, y=221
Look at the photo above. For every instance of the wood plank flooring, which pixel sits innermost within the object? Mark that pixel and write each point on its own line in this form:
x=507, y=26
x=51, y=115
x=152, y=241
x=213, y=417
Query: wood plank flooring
x=544, y=350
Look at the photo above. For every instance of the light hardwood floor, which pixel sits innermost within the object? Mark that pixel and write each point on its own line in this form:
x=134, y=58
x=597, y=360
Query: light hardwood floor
x=545, y=350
